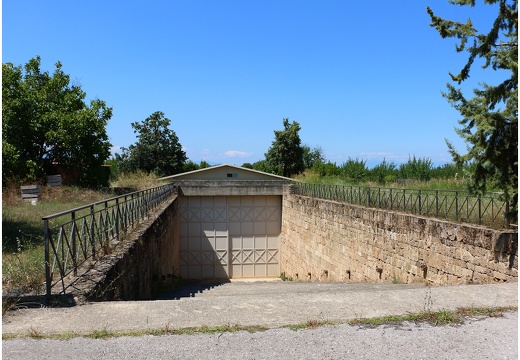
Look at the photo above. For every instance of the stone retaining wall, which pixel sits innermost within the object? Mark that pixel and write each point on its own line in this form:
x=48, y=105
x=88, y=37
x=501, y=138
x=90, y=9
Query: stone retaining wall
x=142, y=266
x=330, y=241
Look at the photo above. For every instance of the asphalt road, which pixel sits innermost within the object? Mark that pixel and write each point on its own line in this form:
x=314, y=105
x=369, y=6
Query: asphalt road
x=274, y=305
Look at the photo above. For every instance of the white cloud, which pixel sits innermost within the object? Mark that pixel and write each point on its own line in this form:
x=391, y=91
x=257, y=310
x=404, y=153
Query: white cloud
x=235, y=153
x=114, y=150
x=377, y=155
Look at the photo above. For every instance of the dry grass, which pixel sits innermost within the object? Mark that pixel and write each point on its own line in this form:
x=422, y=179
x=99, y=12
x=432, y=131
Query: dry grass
x=136, y=181
x=22, y=227
x=23, y=268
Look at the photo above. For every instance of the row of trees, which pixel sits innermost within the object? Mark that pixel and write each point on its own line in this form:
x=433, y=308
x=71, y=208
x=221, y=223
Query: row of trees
x=288, y=157
x=48, y=128
x=47, y=124
x=422, y=169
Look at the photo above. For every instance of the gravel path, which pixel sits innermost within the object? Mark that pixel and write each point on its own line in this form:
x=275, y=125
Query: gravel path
x=487, y=338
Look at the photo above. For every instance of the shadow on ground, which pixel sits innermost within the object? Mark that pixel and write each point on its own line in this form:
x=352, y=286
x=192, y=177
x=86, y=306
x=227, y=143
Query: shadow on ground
x=36, y=301
x=191, y=289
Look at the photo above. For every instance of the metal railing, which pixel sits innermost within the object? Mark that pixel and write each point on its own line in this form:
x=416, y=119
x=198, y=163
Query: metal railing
x=74, y=236
x=448, y=204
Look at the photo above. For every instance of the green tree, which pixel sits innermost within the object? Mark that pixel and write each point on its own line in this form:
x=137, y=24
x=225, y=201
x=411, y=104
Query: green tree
x=312, y=156
x=417, y=169
x=190, y=165
x=355, y=169
x=489, y=123
x=384, y=172
x=157, y=149
x=46, y=122
x=326, y=168
x=285, y=155
x=265, y=166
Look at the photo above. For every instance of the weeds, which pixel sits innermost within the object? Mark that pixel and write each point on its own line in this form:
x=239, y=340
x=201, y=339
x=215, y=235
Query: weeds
x=8, y=304
x=101, y=334
x=24, y=271
x=311, y=324
x=438, y=318
x=135, y=181
x=35, y=333
x=396, y=280
x=284, y=277
x=443, y=317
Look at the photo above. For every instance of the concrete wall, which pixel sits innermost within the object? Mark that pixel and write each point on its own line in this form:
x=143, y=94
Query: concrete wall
x=231, y=188
x=325, y=240
x=145, y=264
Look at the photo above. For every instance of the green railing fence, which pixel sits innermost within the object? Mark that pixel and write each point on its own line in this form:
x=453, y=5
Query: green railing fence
x=486, y=210
x=74, y=236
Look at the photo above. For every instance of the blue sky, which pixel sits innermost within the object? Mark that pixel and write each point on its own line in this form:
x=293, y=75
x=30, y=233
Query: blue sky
x=363, y=78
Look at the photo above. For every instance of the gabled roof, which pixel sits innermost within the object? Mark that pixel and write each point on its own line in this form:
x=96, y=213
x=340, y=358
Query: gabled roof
x=225, y=172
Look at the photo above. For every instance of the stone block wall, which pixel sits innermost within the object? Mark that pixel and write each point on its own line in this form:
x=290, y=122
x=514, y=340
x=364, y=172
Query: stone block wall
x=328, y=241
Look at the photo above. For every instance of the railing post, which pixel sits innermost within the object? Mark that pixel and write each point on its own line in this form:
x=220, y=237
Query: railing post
x=73, y=242
x=107, y=232
x=92, y=235
x=456, y=205
x=48, y=279
x=420, y=202
x=117, y=219
x=436, y=203
x=125, y=214
x=508, y=218
x=479, y=210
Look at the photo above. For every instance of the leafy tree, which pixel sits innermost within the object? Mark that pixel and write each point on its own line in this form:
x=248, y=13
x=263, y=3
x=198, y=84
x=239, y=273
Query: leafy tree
x=448, y=171
x=354, y=169
x=285, y=155
x=191, y=166
x=157, y=149
x=384, y=172
x=326, y=168
x=489, y=123
x=46, y=122
x=416, y=168
x=204, y=164
x=265, y=166
x=312, y=156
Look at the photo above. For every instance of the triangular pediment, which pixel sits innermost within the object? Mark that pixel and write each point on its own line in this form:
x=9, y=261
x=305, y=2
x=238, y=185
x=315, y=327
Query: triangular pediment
x=225, y=172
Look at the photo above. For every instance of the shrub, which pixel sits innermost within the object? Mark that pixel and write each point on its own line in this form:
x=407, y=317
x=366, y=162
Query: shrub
x=354, y=169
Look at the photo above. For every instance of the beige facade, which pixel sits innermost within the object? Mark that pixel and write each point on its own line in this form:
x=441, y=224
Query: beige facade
x=230, y=223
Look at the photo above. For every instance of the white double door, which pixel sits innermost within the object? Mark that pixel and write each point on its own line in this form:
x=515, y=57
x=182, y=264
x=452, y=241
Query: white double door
x=223, y=237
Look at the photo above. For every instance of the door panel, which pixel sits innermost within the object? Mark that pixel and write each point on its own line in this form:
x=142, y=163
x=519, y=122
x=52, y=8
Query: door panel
x=234, y=236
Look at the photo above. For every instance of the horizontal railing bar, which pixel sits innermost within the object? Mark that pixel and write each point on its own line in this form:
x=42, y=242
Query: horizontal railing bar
x=48, y=217
x=450, y=204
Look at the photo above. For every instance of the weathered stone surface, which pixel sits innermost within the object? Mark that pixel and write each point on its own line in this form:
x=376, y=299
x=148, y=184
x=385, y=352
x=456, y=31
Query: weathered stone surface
x=353, y=243
x=140, y=266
